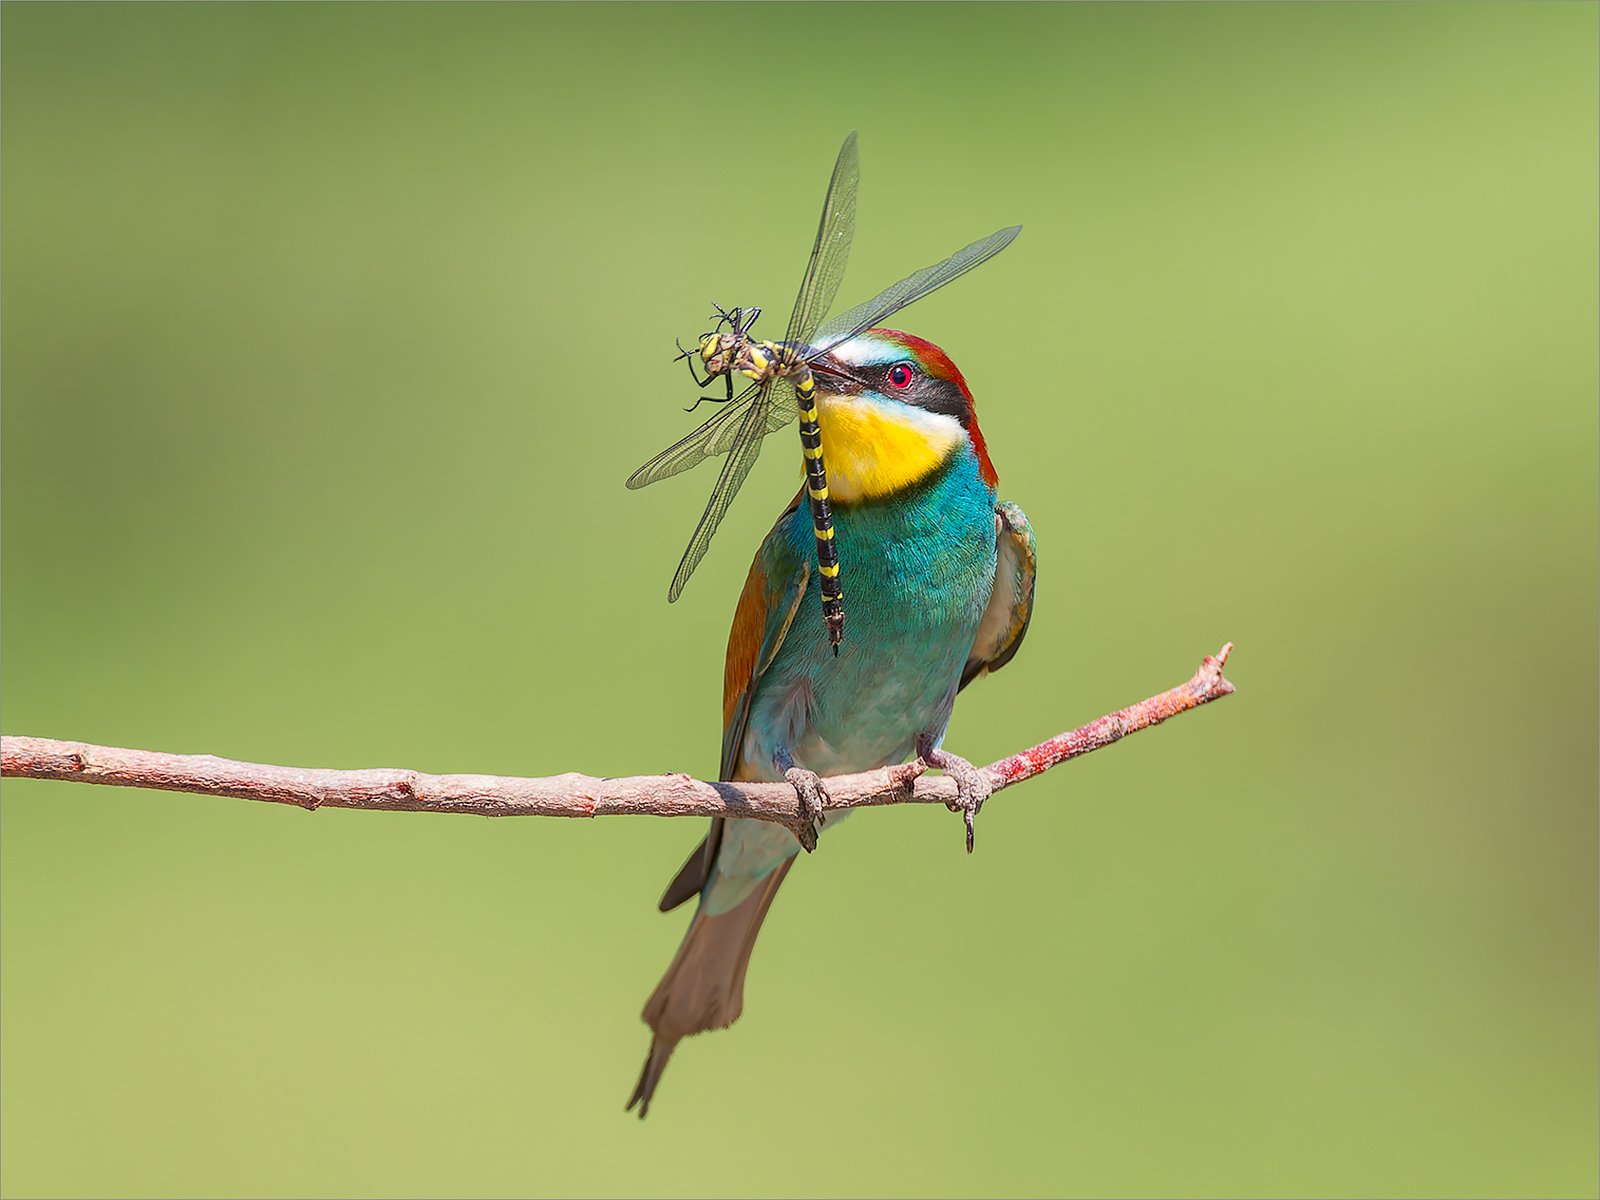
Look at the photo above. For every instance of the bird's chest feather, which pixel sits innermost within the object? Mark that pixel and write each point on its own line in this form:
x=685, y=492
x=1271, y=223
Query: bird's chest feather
x=917, y=570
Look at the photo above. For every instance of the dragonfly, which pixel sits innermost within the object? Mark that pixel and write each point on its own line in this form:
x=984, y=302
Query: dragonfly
x=783, y=387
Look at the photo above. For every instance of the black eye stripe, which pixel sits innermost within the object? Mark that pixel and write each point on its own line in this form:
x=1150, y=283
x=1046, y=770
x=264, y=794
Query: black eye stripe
x=924, y=391
x=931, y=395
x=938, y=396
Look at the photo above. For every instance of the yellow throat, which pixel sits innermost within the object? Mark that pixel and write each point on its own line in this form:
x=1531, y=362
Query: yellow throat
x=873, y=450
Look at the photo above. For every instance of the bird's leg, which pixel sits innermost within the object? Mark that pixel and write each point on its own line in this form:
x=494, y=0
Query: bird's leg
x=811, y=795
x=972, y=785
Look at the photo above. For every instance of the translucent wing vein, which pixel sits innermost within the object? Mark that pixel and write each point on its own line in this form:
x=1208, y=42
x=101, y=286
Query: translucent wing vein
x=909, y=290
x=835, y=231
x=713, y=437
x=745, y=448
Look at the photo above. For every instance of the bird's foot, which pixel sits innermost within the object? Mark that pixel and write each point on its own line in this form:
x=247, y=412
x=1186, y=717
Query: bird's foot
x=812, y=797
x=972, y=785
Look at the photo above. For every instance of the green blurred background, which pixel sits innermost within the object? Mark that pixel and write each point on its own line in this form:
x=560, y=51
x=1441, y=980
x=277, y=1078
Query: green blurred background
x=330, y=334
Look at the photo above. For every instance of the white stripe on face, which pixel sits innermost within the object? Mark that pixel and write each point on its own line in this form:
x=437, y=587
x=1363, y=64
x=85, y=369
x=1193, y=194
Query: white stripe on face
x=864, y=351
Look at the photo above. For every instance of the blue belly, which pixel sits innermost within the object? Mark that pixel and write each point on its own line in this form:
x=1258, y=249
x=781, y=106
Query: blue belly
x=917, y=572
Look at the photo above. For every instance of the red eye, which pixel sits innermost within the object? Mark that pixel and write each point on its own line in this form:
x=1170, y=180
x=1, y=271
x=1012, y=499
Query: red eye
x=900, y=375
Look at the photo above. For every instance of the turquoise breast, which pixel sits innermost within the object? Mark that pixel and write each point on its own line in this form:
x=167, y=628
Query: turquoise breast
x=917, y=570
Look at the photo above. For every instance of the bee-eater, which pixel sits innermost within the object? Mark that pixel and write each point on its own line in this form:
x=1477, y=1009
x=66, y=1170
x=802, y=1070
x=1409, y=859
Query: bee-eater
x=940, y=591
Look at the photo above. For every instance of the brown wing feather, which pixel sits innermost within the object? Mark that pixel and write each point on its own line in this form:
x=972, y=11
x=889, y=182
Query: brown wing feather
x=692, y=876
x=765, y=611
x=760, y=623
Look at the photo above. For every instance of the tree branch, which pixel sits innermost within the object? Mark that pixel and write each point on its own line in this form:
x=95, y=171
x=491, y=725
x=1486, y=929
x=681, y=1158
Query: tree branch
x=573, y=795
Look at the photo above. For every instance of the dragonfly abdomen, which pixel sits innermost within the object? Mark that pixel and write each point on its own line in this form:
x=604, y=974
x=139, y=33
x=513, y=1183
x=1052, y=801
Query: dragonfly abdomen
x=805, y=390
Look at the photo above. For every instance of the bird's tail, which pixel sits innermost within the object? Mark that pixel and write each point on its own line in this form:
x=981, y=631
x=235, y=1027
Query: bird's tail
x=704, y=986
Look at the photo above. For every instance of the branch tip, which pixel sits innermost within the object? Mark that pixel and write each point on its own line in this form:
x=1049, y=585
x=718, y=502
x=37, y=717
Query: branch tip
x=1211, y=670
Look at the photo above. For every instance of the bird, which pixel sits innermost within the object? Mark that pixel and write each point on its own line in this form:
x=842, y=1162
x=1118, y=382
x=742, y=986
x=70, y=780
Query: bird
x=941, y=584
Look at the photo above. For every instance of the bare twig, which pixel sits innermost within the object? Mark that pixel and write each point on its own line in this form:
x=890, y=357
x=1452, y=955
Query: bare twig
x=572, y=795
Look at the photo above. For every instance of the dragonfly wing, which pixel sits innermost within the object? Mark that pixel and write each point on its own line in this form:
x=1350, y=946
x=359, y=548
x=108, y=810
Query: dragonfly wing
x=742, y=453
x=783, y=408
x=835, y=231
x=909, y=290
x=714, y=437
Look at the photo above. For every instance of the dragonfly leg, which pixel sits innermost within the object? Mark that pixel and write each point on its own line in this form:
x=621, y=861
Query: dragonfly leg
x=724, y=317
x=706, y=382
x=810, y=793
x=688, y=357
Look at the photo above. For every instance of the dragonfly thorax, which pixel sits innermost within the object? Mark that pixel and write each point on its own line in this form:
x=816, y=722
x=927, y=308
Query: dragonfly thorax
x=761, y=361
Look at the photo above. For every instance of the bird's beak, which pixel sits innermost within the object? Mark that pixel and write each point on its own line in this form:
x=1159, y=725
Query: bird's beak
x=834, y=376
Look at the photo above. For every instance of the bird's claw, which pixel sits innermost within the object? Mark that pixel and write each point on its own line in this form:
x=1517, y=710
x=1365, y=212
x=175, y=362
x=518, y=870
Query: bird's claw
x=973, y=787
x=812, y=797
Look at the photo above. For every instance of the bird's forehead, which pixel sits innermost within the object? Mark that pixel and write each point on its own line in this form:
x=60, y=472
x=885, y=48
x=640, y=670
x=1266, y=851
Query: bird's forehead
x=871, y=349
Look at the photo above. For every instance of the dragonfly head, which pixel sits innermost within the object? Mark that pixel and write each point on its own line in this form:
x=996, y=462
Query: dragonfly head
x=720, y=347
x=718, y=350
x=893, y=408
